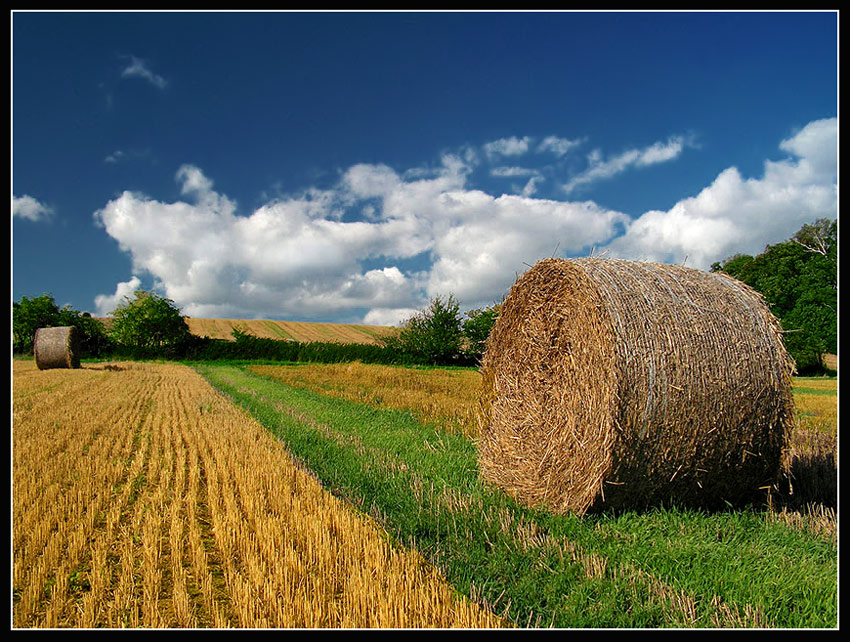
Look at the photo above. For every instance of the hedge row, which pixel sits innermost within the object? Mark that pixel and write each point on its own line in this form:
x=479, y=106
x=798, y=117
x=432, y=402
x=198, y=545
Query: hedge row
x=250, y=348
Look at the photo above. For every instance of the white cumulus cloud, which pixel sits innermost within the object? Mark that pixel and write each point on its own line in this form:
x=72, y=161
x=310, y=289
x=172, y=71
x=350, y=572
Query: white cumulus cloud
x=742, y=215
x=379, y=244
x=105, y=304
x=30, y=209
x=492, y=240
x=297, y=257
x=389, y=316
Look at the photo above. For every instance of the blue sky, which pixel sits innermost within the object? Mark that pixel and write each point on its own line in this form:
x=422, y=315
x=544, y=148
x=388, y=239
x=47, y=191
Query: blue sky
x=350, y=166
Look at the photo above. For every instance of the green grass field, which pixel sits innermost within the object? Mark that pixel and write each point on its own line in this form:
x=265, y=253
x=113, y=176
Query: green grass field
x=757, y=568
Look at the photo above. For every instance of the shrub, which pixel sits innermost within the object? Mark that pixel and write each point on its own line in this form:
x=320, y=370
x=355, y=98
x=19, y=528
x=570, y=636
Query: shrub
x=476, y=329
x=433, y=336
x=149, y=322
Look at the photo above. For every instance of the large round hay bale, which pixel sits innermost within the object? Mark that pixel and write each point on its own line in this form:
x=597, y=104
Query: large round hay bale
x=618, y=384
x=57, y=347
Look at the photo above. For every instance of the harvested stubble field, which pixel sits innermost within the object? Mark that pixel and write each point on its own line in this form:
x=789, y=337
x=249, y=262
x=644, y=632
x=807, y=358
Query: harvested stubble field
x=447, y=398
x=142, y=498
x=769, y=566
x=441, y=396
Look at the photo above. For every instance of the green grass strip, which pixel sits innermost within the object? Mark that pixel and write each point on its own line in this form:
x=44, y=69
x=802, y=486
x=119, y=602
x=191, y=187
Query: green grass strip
x=278, y=331
x=816, y=391
x=662, y=568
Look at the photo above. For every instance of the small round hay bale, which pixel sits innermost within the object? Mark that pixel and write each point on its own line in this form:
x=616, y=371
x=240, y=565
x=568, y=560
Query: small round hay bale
x=57, y=347
x=618, y=384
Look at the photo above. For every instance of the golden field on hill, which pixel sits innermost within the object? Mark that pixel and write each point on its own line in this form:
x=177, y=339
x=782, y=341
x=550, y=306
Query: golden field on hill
x=142, y=498
x=302, y=332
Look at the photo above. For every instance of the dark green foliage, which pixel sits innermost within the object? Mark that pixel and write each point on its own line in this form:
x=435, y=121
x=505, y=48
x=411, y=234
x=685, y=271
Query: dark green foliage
x=440, y=335
x=476, y=329
x=248, y=347
x=434, y=335
x=799, y=281
x=95, y=340
x=151, y=327
x=29, y=314
x=149, y=322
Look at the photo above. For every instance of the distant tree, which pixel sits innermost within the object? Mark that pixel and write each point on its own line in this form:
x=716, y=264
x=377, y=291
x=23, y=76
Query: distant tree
x=30, y=314
x=94, y=339
x=434, y=335
x=733, y=266
x=148, y=321
x=477, y=327
x=819, y=237
x=799, y=281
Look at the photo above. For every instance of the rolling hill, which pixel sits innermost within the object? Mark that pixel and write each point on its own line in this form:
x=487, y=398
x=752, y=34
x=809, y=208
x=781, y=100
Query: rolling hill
x=288, y=330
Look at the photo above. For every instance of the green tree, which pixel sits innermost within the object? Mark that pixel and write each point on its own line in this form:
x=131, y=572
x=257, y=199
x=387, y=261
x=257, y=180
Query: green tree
x=434, y=335
x=799, y=281
x=148, y=321
x=29, y=314
x=94, y=340
x=477, y=327
x=820, y=237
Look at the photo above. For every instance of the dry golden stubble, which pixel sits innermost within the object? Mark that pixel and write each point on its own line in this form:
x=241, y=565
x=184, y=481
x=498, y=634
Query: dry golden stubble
x=166, y=506
x=444, y=397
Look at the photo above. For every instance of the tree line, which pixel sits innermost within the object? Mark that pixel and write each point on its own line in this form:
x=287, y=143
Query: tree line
x=149, y=326
x=797, y=278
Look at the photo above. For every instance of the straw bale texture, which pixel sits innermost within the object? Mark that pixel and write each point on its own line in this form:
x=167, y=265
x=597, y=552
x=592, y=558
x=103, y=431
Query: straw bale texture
x=57, y=347
x=618, y=384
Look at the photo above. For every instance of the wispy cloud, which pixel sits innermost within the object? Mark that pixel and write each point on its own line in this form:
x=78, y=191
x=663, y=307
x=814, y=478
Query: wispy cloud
x=557, y=145
x=512, y=172
x=114, y=157
x=29, y=208
x=512, y=146
x=138, y=68
x=600, y=168
x=534, y=178
x=126, y=155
